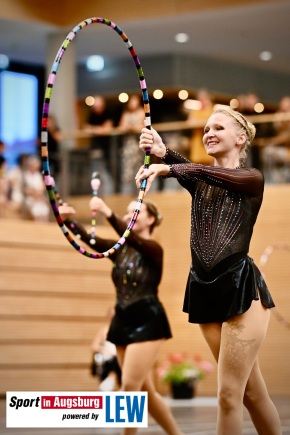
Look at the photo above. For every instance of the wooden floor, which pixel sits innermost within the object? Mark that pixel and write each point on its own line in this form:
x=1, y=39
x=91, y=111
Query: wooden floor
x=195, y=417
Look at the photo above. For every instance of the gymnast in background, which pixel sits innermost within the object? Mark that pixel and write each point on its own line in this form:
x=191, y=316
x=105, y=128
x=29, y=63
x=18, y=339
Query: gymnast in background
x=139, y=326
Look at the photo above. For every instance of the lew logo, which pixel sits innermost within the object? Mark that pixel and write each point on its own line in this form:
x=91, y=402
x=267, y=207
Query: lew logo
x=121, y=408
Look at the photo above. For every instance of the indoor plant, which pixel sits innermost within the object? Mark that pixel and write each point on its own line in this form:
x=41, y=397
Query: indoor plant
x=181, y=371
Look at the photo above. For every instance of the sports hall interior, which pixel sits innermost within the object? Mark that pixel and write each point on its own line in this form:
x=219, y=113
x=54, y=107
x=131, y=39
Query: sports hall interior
x=53, y=300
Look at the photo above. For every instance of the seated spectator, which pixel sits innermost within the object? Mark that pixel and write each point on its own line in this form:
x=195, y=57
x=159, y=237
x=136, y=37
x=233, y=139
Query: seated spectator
x=15, y=183
x=35, y=197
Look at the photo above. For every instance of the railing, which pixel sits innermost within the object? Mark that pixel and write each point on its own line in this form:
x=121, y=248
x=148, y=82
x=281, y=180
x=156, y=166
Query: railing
x=75, y=163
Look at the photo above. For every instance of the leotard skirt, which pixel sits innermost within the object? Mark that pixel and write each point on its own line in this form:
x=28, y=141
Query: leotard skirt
x=143, y=320
x=225, y=292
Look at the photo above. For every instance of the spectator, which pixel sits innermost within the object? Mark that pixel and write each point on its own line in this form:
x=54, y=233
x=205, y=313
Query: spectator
x=16, y=186
x=131, y=122
x=276, y=149
x=262, y=130
x=242, y=103
x=35, y=198
x=54, y=137
x=99, y=124
x=197, y=151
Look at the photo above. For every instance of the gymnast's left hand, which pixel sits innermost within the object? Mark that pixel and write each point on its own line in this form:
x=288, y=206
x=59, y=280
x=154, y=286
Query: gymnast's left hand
x=66, y=211
x=98, y=205
x=150, y=174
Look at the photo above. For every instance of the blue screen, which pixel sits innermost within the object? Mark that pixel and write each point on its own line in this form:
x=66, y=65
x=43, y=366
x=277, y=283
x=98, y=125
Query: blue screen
x=18, y=114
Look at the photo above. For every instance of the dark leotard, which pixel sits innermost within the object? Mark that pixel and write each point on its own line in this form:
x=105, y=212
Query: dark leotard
x=223, y=281
x=137, y=270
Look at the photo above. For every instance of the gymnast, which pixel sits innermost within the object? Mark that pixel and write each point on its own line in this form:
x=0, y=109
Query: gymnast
x=225, y=293
x=140, y=325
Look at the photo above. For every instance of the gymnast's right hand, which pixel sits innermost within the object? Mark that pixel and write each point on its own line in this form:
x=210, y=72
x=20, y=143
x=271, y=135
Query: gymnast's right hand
x=150, y=139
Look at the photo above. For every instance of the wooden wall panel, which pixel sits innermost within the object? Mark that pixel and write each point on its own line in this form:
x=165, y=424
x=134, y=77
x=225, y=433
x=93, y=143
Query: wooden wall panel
x=66, y=378
x=53, y=300
x=46, y=353
x=24, y=329
x=45, y=281
x=30, y=305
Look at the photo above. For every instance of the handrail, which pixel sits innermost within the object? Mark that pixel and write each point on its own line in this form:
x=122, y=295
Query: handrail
x=116, y=132
x=176, y=125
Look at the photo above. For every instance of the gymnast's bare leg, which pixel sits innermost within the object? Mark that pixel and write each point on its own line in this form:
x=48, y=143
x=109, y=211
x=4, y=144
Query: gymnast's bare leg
x=136, y=361
x=235, y=345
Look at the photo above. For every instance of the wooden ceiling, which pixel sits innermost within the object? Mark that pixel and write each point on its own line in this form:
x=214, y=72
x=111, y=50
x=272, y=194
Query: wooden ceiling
x=65, y=13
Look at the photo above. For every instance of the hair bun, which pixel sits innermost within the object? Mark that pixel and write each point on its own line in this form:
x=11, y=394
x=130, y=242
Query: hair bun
x=251, y=130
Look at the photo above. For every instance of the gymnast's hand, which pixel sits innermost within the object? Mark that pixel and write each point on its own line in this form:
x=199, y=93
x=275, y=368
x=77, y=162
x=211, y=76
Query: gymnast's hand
x=66, y=211
x=150, y=139
x=151, y=174
x=98, y=205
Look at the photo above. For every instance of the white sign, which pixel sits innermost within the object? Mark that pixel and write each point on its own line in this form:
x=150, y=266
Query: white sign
x=76, y=409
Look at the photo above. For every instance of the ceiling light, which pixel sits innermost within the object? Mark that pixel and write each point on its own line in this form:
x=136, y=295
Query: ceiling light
x=234, y=103
x=95, y=63
x=123, y=97
x=265, y=55
x=183, y=94
x=158, y=94
x=181, y=37
x=89, y=100
x=259, y=107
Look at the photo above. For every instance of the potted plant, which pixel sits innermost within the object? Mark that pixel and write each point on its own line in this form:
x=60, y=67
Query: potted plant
x=182, y=372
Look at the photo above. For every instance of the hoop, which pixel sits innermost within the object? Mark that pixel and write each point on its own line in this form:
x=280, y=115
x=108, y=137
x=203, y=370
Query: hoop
x=262, y=264
x=44, y=135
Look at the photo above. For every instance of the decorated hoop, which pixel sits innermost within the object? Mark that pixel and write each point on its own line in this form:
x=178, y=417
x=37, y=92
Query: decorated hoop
x=262, y=264
x=44, y=136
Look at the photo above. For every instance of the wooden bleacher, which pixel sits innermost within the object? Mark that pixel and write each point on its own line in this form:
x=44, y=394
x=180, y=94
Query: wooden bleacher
x=53, y=299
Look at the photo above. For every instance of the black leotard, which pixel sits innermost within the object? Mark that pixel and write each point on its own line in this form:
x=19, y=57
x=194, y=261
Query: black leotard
x=136, y=274
x=223, y=281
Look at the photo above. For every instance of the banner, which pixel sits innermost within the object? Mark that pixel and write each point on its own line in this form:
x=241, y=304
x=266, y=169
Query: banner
x=76, y=409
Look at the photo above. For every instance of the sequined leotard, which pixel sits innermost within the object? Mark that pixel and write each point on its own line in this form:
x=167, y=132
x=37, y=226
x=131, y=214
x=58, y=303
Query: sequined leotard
x=223, y=281
x=137, y=270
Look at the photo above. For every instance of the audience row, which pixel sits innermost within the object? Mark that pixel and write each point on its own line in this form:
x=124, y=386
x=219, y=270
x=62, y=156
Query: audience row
x=22, y=190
